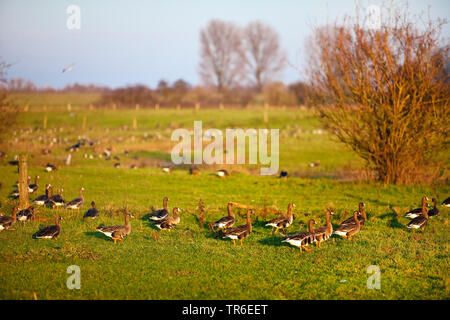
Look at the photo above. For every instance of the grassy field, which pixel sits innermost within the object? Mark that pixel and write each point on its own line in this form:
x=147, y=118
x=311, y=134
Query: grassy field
x=190, y=262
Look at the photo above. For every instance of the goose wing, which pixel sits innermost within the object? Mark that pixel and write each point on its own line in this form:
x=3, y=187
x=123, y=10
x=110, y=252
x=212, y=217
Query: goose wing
x=48, y=232
x=77, y=202
x=346, y=229
x=417, y=222
x=433, y=212
x=352, y=221
x=6, y=221
x=237, y=231
x=159, y=214
x=300, y=238
x=224, y=222
x=91, y=213
x=109, y=230
x=277, y=221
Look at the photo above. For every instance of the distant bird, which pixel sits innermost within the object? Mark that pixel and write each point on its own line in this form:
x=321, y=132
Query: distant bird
x=92, y=212
x=194, y=170
x=117, y=165
x=76, y=203
x=7, y=222
x=167, y=169
x=314, y=164
x=68, y=68
x=446, y=202
x=26, y=214
x=161, y=213
x=49, y=167
x=50, y=232
x=222, y=173
x=283, y=174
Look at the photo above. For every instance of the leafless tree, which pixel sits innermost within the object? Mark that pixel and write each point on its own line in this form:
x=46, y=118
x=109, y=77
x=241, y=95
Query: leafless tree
x=222, y=55
x=385, y=92
x=8, y=109
x=265, y=58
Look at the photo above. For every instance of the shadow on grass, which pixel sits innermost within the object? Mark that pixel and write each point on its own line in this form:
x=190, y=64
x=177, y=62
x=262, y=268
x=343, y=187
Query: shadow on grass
x=97, y=235
x=393, y=220
x=274, y=240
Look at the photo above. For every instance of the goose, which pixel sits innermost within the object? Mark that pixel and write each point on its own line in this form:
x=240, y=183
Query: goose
x=322, y=234
x=40, y=200
x=222, y=173
x=57, y=199
x=194, y=171
x=283, y=221
x=361, y=216
x=446, y=202
x=26, y=214
x=50, y=167
x=416, y=212
x=240, y=232
x=117, y=165
x=33, y=187
x=50, y=232
x=434, y=211
x=301, y=239
x=15, y=193
x=167, y=169
x=420, y=221
x=118, y=232
x=77, y=202
x=161, y=213
x=227, y=221
x=283, y=174
x=169, y=222
x=348, y=230
x=92, y=212
x=7, y=222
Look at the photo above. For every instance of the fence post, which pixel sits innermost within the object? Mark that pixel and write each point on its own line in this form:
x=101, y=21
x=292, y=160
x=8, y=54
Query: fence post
x=44, y=125
x=23, y=182
x=134, y=123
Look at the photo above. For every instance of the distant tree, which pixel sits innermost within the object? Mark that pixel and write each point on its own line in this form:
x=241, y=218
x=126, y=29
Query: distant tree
x=300, y=91
x=222, y=61
x=265, y=58
x=385, y=91
x=8, y=109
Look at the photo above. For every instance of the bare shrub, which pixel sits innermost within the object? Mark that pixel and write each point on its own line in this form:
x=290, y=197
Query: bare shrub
x=385, y=91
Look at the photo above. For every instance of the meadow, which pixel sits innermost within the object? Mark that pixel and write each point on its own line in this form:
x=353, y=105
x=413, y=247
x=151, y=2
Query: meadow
x=190, y=262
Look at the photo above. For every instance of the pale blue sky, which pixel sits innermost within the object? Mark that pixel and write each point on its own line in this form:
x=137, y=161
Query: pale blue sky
x=127, y=42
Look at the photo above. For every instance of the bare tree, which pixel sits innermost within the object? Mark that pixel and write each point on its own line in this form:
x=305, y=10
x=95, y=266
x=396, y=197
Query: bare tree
x=222, y=56
x=8, y=109
x=385, y=92
x=266, y=60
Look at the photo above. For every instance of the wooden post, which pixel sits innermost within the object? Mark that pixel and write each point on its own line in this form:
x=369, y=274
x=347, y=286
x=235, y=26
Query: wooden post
x=68, y=159
x=23, y=182
x=266, y=113
x=44, y=125
x=83, y=127
x=134, y=123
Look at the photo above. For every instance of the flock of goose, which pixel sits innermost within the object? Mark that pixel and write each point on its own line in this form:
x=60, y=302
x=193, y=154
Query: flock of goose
x=164, y=221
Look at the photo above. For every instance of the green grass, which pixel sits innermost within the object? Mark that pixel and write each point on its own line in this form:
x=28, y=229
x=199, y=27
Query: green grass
x=190, y=262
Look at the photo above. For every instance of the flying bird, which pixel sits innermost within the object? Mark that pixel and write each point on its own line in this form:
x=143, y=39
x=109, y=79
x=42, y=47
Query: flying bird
x=68, y=68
